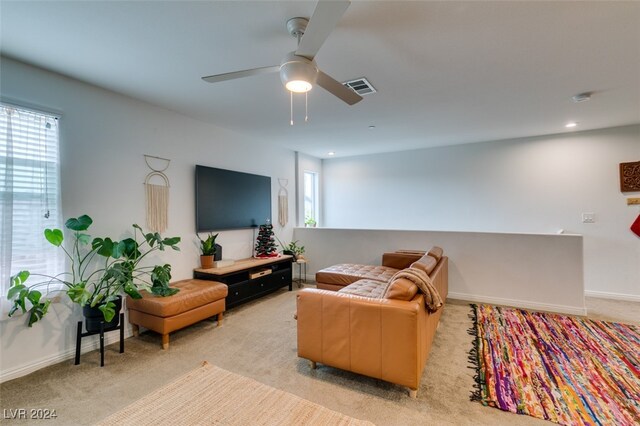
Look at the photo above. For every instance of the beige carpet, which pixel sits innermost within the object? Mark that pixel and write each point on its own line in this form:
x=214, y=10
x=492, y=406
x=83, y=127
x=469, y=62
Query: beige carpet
x=258, y=340
x=210, y=395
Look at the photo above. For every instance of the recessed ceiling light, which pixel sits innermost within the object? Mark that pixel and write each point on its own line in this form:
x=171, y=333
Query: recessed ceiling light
x=372, y=127
x=331, y=153
x=571, y=124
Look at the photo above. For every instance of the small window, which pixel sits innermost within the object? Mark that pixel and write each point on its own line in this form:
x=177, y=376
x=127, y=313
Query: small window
x=310, y=198
x=29, y=194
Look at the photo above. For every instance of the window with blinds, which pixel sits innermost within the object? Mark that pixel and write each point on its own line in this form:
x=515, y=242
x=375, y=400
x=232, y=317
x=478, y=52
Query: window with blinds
x=29, y=193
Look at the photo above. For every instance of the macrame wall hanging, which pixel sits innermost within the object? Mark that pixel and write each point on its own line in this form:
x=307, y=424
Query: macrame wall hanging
x=283, y=202
x=157, y=195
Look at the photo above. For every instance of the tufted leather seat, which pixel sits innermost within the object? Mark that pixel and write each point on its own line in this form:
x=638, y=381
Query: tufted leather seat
x=366, y=288
x=347, y=273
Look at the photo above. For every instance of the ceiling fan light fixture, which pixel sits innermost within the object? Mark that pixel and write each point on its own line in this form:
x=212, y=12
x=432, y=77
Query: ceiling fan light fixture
x=298, y=86
x=298, y=74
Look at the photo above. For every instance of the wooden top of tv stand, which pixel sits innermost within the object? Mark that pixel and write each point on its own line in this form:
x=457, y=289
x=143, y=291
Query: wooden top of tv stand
x=243, y=264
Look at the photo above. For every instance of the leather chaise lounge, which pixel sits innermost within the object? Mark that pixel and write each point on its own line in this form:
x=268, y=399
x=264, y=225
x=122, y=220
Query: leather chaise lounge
x=371, y=325
x=338, y=276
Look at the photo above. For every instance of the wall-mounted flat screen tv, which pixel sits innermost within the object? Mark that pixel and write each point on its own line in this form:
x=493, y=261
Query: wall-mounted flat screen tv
x=231, y=200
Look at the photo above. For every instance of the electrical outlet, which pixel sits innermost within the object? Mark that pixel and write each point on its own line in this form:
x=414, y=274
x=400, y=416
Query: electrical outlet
x=588, y=218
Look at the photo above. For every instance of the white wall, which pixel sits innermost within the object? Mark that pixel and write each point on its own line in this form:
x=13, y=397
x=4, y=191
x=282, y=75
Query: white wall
x=483, y=267
x=532, y=185
x=103, y=138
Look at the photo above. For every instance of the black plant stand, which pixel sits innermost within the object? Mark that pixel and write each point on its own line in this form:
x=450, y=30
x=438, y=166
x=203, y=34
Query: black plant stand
x=103, y=330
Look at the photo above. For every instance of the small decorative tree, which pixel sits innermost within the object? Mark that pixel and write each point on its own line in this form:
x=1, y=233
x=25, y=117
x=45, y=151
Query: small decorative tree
x=265, y=243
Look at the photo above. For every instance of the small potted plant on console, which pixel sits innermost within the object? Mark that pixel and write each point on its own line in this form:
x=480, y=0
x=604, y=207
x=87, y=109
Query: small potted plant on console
x=207, y=250
x=293, y=249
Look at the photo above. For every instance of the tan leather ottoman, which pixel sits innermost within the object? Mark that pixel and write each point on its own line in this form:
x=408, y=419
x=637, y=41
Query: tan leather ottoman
x=196, y=300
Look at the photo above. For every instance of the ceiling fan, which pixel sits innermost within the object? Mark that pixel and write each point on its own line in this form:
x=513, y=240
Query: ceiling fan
x=298, y=69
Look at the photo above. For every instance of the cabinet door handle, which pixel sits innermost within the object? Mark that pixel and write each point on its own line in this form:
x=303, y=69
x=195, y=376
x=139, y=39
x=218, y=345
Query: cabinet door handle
x=237, y=293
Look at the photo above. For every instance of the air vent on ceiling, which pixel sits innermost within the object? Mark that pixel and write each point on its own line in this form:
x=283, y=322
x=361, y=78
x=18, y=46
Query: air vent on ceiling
x=361, y=86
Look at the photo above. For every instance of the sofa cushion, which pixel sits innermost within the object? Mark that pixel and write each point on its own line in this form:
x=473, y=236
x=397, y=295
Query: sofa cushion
x=367, y=288
x=426, y=263
x=432, y=299
x=436, y=253
x=401, y=289
x=348, y=273
x=399, y=260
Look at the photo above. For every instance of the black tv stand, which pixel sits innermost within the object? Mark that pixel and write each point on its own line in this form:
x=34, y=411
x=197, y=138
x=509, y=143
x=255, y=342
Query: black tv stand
x=249, y=279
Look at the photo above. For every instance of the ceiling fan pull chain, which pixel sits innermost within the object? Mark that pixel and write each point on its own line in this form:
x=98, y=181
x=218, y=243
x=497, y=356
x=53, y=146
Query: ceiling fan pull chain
x=291, y=104
x=306, y=108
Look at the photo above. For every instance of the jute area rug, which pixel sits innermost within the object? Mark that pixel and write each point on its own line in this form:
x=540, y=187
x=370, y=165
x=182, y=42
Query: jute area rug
x=569, y=370
x=210, y=395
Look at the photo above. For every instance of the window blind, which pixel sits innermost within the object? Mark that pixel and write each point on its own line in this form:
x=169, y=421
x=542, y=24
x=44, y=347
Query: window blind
x=29, y=193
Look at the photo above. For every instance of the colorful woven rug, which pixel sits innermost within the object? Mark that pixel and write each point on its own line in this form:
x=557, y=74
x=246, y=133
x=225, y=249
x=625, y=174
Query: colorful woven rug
x=568, y=370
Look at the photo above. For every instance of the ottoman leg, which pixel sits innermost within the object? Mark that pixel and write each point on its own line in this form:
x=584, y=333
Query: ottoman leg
x=135, y=329
x=165, y=341
x=220, y=319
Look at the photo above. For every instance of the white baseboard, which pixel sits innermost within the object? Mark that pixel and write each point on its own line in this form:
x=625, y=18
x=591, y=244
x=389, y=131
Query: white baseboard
x=88, y=345
x=563, y=309
x=613, y=296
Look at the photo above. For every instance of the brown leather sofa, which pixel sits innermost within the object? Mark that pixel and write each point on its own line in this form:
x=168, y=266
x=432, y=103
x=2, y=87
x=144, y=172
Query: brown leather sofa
x=372, y=327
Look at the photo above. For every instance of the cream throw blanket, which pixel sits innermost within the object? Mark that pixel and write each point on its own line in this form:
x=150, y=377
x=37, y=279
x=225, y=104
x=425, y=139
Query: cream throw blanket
x=424, y=283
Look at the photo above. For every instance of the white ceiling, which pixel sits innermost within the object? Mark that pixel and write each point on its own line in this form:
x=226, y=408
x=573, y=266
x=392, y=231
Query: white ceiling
x=446, y=72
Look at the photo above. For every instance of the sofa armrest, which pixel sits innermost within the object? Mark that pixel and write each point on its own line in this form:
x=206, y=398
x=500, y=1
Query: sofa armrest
x=379, y=338
x=400, y=260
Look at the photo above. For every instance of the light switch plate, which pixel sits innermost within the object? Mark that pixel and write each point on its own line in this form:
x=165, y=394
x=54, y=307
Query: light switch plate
x=588, y=218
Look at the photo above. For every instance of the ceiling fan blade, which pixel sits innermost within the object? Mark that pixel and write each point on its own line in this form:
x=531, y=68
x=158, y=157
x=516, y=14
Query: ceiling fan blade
x=324, y=20
x=240, y=74
x=336, y=88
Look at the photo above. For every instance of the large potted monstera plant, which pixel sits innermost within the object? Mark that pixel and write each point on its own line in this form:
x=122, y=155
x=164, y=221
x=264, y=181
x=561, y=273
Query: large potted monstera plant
x=100, y=271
